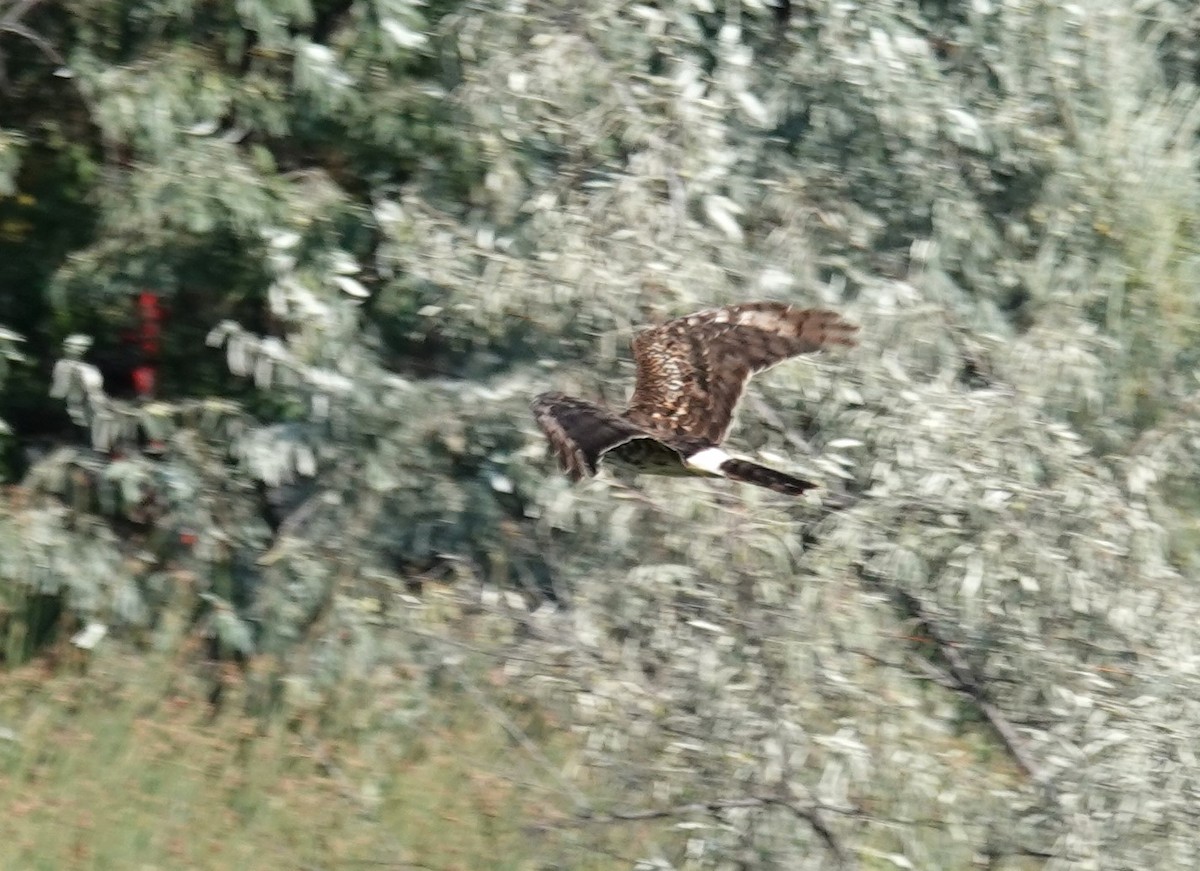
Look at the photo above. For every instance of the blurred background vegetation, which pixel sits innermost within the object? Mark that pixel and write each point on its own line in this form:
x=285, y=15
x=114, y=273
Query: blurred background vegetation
x=286, y=579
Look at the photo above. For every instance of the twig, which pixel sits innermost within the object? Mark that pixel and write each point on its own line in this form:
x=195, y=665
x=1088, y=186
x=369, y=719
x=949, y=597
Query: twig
x=716, y=806
x=960, y=677
x=518, y=735
x=11, y=23
x=966, y=684
x=17, y=11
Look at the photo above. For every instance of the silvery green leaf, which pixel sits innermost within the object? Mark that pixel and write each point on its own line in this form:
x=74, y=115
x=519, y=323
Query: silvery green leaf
x=76, y=344
x=720, y=211
x=842, y=443
x=754, y=108
x=203, y=128
x=89, y=636
x=60, y=379
x=351, y=286
x=343, y=264
x=282, y=239
x=403, y=36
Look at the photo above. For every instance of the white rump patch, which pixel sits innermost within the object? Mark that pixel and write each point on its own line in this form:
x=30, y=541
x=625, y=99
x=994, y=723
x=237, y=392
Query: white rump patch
x=708, y=460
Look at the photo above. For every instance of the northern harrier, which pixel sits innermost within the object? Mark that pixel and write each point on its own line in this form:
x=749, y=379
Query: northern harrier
x=691, y=372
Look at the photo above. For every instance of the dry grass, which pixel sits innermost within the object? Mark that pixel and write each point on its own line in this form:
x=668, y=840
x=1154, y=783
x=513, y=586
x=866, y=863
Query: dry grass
x=126, y=767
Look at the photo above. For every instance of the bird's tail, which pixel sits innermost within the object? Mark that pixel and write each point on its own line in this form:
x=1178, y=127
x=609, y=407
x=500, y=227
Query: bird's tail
x=752, y=473
x=714, y=461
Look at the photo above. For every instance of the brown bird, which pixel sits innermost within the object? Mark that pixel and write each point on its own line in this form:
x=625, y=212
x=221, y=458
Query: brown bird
x=691, y=372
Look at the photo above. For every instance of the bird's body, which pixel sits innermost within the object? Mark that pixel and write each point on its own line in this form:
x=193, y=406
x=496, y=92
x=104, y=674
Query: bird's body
x=648, y=457
x=691, y=372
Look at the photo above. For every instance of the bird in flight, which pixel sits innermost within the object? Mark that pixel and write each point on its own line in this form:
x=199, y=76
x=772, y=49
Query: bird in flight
x=691, y=372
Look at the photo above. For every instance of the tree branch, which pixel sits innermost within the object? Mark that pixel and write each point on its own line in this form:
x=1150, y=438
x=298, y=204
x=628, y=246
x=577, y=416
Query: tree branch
x=960, y=677
x=11, y=23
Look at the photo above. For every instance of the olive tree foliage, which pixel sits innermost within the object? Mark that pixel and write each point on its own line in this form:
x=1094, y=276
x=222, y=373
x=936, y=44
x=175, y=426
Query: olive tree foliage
x=974, y=644
x=9, y=158
x=1008, y=218
x=190, y=131
x=10, y=355
x=205, y=136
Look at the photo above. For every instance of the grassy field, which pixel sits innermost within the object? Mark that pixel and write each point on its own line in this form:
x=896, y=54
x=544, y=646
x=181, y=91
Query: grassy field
x=117, y=759
x=127, y=766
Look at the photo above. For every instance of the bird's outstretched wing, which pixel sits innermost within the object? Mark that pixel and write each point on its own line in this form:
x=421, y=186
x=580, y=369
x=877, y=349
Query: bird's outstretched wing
x=581, y=432
x=692, y=371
